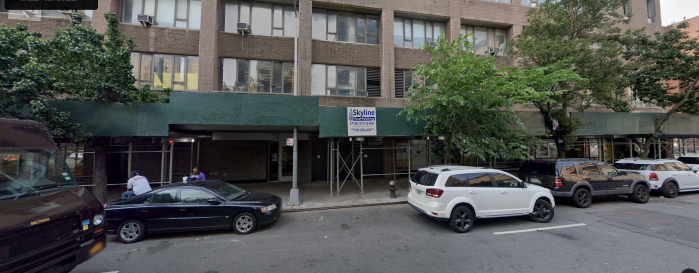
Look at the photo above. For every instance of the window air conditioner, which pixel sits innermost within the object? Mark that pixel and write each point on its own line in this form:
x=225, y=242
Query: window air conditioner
x=145, y=20
x=493, y=50
x=243, y=28
x=66, y=11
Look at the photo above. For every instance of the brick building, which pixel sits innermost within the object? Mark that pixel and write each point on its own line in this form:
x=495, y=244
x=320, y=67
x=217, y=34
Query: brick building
x=234, y=106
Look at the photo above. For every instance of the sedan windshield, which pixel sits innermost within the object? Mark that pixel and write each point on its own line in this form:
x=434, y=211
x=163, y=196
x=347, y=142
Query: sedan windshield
x=32, y=171
x=224, y=189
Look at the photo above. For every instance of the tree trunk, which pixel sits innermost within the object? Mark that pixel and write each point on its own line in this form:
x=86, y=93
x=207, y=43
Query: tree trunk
x=100, y=175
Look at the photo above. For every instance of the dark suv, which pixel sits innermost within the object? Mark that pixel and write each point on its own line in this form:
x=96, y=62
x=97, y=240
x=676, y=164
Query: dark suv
x=581, y=179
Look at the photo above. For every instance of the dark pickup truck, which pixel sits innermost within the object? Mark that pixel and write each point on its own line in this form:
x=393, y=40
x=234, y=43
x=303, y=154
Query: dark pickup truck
x=48, y=223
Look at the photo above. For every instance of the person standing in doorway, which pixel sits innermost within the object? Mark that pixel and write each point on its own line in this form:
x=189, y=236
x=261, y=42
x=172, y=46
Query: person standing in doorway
x=136, y=186
x=197, y=175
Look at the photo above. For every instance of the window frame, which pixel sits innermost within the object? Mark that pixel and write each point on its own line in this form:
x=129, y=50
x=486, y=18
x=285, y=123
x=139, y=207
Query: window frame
x=490, y=176
x=432, y=24
x=137, y=71
x=626, y=8
x=356, y=69
x=283, y=29
x=357, y=16
x=249, y=65
x=155, y=14
x=151, y=197
x=495, y=181
x=650, y=11
x=491, y=38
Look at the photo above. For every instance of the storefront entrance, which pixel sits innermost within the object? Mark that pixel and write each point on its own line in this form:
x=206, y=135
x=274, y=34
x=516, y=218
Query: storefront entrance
x=281, y=161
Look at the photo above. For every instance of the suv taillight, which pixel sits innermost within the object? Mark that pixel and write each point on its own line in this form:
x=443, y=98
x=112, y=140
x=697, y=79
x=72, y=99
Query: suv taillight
x=436, y=193
x=558, y=182
x=653, y=176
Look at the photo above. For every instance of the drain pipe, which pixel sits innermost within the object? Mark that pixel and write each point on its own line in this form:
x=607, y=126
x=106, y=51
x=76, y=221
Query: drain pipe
x=294, y=194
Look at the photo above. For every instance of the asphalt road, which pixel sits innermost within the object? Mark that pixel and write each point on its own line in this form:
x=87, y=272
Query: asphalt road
x=617, y=236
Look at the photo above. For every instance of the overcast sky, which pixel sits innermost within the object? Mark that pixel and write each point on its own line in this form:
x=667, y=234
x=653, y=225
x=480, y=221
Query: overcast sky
x=675, y=10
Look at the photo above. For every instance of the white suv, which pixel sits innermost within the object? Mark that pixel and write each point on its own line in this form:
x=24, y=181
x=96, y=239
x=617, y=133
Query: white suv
x=690, y=160
x=665, y=175
x=459, y=194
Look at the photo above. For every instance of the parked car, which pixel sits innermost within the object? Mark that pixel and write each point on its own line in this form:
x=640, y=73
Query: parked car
x=581, y=179
x=665, y=175
x=461, y=194
x=189, y=206
x=690, y=160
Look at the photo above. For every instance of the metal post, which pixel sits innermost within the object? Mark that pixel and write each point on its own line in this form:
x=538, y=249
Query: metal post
x=630, y=148
x=361, y=166
x=330, y=166
x=394, y=160
x=128, y=164
x=294, y=194
x=337, y=162
x=613, y=149
x=191, y=156
x=410, y=156
x=198, y=149
x=171, y=156
x=327, y=170
x=162, y=164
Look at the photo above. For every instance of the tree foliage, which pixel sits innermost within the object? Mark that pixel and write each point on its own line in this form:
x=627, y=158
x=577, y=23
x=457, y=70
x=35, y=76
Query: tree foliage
x=77, y=63
x=667, y=74
x=584, y=34
x=473, y=99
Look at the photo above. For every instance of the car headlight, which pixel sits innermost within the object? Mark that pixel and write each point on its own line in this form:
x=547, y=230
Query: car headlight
x=98, y=219
x=269, y=208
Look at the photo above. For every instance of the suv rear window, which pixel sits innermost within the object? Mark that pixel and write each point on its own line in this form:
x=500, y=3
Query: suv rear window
x=631, y=166
x=539, y=167
x=425, y=178
x=689, y=160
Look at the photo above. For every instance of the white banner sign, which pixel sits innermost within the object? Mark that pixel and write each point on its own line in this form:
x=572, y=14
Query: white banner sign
x=361, y=121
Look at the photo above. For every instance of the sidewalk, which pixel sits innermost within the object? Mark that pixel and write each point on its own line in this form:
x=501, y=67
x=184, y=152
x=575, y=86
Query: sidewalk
x=315, y=195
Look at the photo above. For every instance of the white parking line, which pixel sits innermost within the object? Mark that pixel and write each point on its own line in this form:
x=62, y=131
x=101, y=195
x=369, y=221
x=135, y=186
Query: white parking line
x=537, y=229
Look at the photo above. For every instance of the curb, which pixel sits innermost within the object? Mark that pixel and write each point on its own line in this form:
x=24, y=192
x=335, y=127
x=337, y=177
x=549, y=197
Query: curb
x=345, y=207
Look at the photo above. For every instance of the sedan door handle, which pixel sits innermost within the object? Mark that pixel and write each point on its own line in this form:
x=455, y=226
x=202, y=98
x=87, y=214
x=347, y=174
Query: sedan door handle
x=144, y=210
x=473, y=192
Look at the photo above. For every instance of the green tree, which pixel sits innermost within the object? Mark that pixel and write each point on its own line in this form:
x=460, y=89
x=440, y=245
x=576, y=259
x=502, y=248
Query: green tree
x=667, y=75
x=77, y=63
x=584, y=34
x=473, y=100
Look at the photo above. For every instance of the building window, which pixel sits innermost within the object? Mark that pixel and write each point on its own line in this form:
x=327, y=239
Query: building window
x=336, y=80
x=263, y=18
x=650, y=5
x=531, y=3
x=28, y=14
x=257, y=76
x=415, y=33
x=330, y=25
x=404, y=80
x=166, y=71
x=487, y=41
x=166, y=13
x=500, y=1
x=627, y=8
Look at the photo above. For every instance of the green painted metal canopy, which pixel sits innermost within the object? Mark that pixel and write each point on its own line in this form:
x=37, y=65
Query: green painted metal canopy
x=598, y=124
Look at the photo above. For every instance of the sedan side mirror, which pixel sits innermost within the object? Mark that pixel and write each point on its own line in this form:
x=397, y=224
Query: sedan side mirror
x=213, y=201
x=524, y=184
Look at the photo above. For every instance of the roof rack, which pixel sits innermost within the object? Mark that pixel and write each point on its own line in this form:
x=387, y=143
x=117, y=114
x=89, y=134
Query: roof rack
x=561, y=159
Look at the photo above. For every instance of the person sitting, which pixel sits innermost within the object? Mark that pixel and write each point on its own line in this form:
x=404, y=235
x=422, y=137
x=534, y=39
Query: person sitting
x=136, y=186
x=197, y=175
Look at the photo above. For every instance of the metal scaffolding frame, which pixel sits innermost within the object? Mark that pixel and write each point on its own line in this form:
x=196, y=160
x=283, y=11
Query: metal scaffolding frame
x=349, y=163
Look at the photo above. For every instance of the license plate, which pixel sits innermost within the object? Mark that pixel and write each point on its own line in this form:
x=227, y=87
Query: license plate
x=419, y=192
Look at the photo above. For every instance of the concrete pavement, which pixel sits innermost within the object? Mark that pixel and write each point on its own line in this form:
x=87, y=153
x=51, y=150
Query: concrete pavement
x=617, y=236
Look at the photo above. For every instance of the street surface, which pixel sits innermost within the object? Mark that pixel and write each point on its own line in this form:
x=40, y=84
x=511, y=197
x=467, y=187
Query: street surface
x=614, y=235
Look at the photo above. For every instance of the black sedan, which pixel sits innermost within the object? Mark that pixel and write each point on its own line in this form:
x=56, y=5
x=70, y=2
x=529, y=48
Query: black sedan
x=189, y=206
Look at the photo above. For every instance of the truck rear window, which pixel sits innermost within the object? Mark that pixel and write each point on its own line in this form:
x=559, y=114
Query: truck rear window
x=425, y=178
x=631, y=166
x=689, y=160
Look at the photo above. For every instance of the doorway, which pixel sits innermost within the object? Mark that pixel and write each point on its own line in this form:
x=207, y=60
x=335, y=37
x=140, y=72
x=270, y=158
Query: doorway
x=281, y=162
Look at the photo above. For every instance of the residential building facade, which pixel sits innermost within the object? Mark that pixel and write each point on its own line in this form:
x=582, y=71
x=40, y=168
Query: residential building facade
x=232, y=87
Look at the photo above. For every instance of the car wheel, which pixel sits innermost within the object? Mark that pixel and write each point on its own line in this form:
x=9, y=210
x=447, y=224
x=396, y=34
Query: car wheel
x=582, y=198
x=131, y=231
x=671, y=190
x=640, y=194
x=461, y=219
x=244, y=223
x=543, y=212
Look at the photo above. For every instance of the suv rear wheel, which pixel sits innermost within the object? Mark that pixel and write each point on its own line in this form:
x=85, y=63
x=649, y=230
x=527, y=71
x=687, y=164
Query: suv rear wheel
x=461, y=219
x=582, y=198
x=640, y=194
x=671, y=190
x=543, y=212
